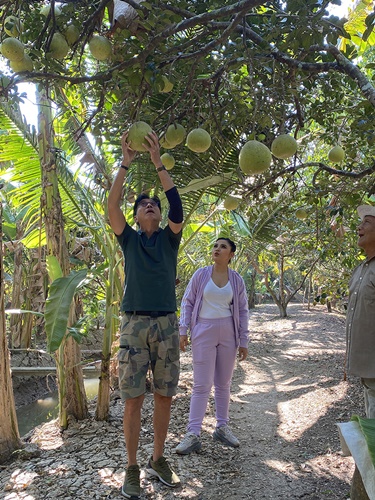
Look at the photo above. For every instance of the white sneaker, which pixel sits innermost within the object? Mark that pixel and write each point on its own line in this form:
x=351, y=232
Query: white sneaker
x=226, y=436
x=191, y=442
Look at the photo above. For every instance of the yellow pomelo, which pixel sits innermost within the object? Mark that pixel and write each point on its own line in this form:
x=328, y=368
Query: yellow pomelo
x=231, y=202
x=137, y=134
x=168, y=85
x=168, y=161
x=254, y=157
x=25, y=64
x=175, y=134
x=59, y=47
x=198, y=140
x=12, y=49
x=336, y=154
x=13, y=26
x=284, y=146
x=301, y=213
x=165, y=144
x=71, y=34
x=100, y=47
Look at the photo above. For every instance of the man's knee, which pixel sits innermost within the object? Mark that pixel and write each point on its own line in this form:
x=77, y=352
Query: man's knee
x=133, y=405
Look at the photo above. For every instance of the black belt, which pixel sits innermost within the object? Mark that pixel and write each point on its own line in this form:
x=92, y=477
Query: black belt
x=153, y=314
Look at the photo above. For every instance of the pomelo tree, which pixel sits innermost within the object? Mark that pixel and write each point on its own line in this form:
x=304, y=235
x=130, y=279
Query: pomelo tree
x=246, y=71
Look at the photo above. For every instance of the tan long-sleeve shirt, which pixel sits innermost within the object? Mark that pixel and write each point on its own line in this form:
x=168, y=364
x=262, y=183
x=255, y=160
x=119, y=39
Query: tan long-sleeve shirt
x=360, y=322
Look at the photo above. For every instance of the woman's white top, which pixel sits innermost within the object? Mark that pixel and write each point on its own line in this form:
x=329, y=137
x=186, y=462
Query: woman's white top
x=216, y=301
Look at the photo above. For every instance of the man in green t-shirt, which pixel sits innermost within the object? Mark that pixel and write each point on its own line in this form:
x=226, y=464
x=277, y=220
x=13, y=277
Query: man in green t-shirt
x=149, y=328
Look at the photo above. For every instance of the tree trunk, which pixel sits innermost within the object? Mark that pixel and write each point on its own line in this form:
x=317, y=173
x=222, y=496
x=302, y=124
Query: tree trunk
x=282, y=309
x=9, y=434
x=102, y=407
x=72, y=396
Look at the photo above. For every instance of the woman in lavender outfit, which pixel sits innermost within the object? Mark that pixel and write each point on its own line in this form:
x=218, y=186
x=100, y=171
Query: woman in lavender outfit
x=215, y=309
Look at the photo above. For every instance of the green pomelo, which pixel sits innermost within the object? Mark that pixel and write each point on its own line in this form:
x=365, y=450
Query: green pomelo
x=168, y=85
x=336, y=154
x=137, y=134
x=72, y=34
x=46, y=9
x=284, y=146
x=198, y=140
x=12, y=49
x=165, y=144
x=231, y=202
x=254, y=157
x=59, y=47
x=175, y=134
x=13, y=26
x=168, y=161
x=100, y=47
x=301, y=213
x=25, y=64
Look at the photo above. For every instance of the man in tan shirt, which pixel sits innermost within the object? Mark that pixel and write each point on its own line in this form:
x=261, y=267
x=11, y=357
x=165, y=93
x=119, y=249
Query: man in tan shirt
x=360, y=324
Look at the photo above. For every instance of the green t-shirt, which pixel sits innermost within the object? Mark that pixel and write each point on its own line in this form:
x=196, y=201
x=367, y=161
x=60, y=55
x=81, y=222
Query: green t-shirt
x=150, y=269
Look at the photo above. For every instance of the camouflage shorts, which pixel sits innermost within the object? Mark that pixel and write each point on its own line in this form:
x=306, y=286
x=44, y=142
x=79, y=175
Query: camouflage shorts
x=148, y=342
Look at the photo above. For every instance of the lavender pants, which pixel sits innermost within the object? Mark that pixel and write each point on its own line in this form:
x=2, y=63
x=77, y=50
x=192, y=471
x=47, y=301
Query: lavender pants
x=214, y=354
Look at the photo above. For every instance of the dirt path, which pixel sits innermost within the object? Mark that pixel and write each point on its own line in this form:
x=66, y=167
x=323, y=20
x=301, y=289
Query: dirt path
x=286, y=401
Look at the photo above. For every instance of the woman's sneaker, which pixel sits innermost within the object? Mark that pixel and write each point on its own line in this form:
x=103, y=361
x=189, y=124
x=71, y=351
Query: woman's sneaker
x=191, y=442
x=131, y=487
x=226, y=436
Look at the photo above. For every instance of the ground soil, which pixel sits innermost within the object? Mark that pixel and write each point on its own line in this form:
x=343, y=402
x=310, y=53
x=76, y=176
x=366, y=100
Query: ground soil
x=286, y=400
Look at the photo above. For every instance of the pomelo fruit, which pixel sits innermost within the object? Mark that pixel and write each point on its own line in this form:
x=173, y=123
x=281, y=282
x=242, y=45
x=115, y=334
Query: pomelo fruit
x=284, y=146
x=198, y=140
x=100, y=47
x=13, y=26
x=45, y=10
x=165, y=144
x=254, y=157
x=71, y=34
x=59, y=47
x=336, y=154
x=137, y=134
x=168, y=161
x=301, y=213
x=25, y=64
x=231, y=202
x=12, y=49
x=167, y=85
x=175, y=134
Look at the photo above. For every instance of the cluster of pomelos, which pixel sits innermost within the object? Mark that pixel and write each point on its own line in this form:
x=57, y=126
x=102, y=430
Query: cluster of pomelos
x=254, y=157
x=14, y=50
x=197, y=140
x=66, y=36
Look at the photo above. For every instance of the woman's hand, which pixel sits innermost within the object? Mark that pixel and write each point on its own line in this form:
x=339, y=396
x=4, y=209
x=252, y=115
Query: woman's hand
x=183, y=342
x=242, y=353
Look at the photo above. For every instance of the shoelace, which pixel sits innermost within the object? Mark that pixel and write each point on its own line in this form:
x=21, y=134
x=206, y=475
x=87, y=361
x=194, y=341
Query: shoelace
x=133, y=477
x=163, y=465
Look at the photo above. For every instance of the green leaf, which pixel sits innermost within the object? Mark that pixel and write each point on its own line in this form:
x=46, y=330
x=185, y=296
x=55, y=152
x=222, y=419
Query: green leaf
x=367, y=426
x=53, y=268
x=58, y=304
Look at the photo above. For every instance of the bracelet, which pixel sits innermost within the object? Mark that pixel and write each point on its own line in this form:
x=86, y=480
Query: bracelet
x=160, y=169
x=124, y=167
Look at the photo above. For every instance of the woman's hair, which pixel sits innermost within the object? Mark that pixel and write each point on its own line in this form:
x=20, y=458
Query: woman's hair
x=231, y=243
x=144, y=196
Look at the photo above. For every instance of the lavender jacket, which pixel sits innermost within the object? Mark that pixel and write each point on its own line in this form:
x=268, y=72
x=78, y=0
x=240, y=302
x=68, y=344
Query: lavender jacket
x=192, y=302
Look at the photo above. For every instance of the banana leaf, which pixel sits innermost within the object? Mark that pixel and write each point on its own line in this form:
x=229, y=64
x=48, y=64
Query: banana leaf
x=60, y=296
x=367, y=426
